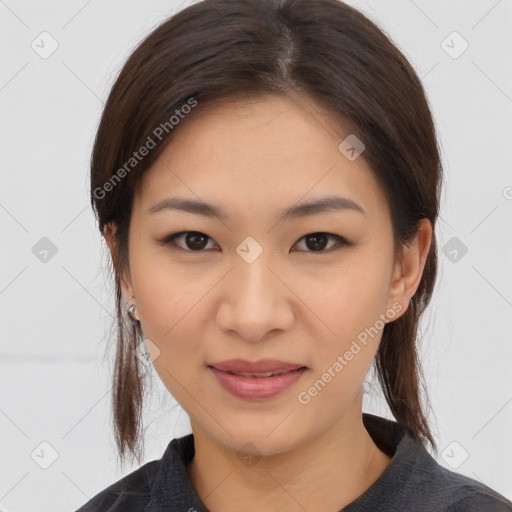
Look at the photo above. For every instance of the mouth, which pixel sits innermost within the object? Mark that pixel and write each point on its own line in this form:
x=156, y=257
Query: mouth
x=253, y=381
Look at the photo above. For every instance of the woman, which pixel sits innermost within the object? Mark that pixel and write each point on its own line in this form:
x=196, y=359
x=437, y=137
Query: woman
x=266, y=175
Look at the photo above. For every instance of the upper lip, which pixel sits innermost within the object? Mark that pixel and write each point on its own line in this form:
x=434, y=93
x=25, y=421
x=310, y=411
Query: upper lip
x=261, y=366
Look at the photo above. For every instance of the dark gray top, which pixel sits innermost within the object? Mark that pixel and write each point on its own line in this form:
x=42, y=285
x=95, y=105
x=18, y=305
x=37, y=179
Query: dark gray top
x=413, y=481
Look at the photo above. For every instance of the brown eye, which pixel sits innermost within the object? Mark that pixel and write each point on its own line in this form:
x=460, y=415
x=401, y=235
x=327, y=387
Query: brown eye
x=194, y=241
x=317, y=242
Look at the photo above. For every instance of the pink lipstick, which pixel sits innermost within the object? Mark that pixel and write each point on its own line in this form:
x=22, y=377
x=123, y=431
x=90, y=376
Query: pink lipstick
x=256, y=380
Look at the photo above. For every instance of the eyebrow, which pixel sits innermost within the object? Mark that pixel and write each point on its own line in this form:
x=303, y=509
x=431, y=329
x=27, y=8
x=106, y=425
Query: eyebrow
x=326, y=204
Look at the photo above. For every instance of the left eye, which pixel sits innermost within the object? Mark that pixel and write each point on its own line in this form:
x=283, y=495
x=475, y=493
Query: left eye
x=319, y=241
x=195, y=241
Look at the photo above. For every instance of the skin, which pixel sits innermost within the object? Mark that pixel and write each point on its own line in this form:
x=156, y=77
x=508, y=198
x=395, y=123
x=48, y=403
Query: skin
x=254, y=158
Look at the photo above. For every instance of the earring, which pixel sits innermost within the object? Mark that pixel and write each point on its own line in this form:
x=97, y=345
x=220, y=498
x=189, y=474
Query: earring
x=141, y=351
x=131, y=310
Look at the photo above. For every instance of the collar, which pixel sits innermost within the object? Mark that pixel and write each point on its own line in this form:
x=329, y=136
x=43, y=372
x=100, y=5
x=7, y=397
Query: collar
x=172, y=488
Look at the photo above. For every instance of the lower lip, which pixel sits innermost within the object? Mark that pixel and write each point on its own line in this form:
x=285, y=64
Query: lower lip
x=257, y=388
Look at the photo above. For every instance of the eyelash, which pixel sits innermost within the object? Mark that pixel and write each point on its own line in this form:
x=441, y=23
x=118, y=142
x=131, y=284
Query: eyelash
x=168, y=240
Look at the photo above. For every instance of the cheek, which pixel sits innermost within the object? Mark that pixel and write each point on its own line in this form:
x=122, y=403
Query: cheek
x=346, y=300
x=349, y=319
x=168, y=301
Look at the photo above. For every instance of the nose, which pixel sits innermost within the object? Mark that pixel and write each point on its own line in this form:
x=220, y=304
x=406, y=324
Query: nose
x=256, y=303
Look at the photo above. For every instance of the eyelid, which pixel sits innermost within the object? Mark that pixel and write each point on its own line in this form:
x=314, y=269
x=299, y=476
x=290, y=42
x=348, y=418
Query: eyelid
x=169, y=241
x=341, y=242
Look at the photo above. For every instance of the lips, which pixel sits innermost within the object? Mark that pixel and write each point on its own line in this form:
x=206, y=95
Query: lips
x=262, y=368
x=257, y=386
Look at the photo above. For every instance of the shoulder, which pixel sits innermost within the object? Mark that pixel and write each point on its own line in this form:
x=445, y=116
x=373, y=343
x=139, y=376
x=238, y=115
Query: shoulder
x=414, y=480
x=162, y=483
x=439, y=488
x=468, y=495
x=447, y=490
x=128, y=494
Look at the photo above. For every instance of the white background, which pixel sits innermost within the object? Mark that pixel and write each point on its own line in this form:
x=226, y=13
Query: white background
x=55, y=315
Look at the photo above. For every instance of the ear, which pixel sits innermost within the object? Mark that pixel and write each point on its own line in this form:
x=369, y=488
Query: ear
x=109, y=233
x=408, y=271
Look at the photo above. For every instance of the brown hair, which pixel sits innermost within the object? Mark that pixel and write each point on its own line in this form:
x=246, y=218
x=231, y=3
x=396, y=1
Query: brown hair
x=322, y=49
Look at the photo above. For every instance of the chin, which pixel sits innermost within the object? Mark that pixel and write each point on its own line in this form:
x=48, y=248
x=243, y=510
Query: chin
x=257, y=440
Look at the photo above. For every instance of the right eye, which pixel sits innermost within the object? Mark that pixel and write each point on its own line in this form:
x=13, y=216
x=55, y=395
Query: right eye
x=195, y=240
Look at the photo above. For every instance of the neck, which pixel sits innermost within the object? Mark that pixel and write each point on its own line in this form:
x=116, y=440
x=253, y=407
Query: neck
x=326, y=473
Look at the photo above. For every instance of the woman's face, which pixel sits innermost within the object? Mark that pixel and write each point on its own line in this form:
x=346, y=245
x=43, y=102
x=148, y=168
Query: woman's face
x=256, y=284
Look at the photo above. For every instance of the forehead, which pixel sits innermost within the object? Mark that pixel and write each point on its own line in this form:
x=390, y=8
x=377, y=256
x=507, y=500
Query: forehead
x=259, y=154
